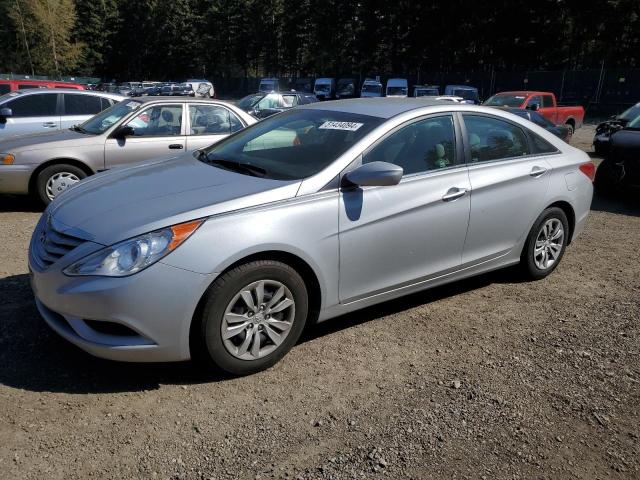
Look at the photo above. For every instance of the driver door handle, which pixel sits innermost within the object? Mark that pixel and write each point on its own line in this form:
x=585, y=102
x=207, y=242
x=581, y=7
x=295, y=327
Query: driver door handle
x=176, y=146
x=454, y=193
x=537, y=171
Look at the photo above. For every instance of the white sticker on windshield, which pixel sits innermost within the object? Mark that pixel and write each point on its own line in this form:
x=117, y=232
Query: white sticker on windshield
x=348, y=126
x=133, y=104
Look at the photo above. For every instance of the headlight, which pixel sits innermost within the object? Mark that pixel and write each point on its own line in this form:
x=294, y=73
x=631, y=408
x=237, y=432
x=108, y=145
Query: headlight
x=133, y=255
x=7, y=159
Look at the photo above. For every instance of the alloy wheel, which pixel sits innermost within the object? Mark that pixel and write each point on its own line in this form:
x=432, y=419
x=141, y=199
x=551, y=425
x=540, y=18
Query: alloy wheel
x=549, y=243
x=258, y=319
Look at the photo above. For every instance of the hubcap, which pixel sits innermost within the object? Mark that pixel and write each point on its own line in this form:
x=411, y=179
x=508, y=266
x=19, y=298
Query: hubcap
x=59, y=182
x=258, y=319
x=548, y=244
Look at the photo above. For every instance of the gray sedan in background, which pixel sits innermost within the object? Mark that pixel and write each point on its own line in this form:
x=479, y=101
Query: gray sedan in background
x=224, y=255
x=138, y=129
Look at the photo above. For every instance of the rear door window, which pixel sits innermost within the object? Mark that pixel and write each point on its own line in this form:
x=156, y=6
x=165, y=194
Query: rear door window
x=44, y=105
x=4, y=88
x=289, y=100
x=490, y=138
x=75, y=104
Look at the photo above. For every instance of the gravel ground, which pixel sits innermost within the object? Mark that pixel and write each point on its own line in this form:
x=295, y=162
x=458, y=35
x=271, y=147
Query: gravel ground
x=487, y=378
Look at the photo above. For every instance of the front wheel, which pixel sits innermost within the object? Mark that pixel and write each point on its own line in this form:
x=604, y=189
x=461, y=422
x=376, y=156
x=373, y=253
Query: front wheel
x=55, y=179
x=252, y=316
x=546, y=243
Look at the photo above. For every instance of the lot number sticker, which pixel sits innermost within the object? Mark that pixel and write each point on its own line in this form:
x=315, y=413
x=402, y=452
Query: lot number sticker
x=348, y=126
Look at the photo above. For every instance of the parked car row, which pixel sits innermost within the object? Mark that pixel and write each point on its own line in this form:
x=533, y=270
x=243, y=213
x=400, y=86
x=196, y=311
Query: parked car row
x=191, y=88
x=327, y=88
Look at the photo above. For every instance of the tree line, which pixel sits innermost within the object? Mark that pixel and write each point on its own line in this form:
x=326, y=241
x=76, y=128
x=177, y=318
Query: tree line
x=174, y=39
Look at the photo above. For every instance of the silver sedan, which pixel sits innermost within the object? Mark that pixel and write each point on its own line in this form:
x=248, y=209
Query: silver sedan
x=46, y=164
x=225, y=255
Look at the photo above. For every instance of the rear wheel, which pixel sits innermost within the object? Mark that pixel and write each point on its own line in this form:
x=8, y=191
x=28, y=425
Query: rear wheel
x=252, y=316
x=545, y=243
x=55, y=179
x=571, y=127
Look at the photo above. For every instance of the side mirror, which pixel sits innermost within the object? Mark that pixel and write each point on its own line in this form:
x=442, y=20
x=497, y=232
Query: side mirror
x=374, y=174
x=533, y=107
x=6, y=112
x=123, y=132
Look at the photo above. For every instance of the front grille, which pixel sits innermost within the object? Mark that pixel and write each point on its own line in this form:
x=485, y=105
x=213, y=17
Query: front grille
x=50, y=244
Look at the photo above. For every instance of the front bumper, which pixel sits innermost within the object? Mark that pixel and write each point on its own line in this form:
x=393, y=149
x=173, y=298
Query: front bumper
x=15, y=178
x=154, y=306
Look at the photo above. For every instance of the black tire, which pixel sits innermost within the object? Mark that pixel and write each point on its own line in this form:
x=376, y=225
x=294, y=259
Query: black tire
x=527, y=262
x=607, y=179
x=571, y=128
x=51, y=171
x=207, y=346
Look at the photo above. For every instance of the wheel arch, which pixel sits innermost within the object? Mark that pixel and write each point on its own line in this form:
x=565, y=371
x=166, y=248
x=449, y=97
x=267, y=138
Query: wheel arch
x=57, y=161
x=301, y=266
x=569, y=212
x=571, y=121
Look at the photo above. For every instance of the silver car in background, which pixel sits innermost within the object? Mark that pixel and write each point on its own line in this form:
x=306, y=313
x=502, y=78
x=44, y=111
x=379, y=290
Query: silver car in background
x=224, y=255
x=48, y=109
x=130, y=131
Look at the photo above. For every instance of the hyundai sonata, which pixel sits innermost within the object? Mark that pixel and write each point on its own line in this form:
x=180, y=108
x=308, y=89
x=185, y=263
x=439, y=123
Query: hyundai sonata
x=225, y=255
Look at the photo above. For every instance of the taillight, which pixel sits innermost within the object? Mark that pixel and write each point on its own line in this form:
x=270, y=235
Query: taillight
x=589, y=169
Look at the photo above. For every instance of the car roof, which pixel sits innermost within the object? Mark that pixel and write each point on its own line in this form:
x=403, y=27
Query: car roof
x=381, y=107
x=524, y=93
x=164, y=99
x=36, y=91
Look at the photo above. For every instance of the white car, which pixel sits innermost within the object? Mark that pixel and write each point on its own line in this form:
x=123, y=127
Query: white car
x=202, y=88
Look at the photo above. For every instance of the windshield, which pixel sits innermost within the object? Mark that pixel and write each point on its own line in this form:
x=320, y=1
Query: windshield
x=396, y=91
x=369, y=88
x=292, y=145
x=426, y=92
x=266, y=86
x=249, y=101
x=323, y=87
x=630, y=114
x=505, y=101
x=635, y=123
x=466, y=94
x=101, y=122
x=346, y=86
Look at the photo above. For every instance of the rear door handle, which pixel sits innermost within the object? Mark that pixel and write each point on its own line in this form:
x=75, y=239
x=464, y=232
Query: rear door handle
x=176, y=146
x=537, y=171
x=49, y=124
x=454, y=193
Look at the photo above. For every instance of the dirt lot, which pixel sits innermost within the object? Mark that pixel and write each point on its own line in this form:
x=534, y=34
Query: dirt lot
x=488, y=378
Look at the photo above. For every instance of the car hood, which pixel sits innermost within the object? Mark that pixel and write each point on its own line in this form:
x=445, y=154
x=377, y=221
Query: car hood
x=35, y=141
x=125, y=202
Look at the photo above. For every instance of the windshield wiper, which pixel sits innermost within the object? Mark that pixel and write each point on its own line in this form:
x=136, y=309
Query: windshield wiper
x=232, y=165
x=77, y=128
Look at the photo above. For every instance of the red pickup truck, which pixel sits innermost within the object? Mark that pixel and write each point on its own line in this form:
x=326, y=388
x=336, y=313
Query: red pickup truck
x=542, y=102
